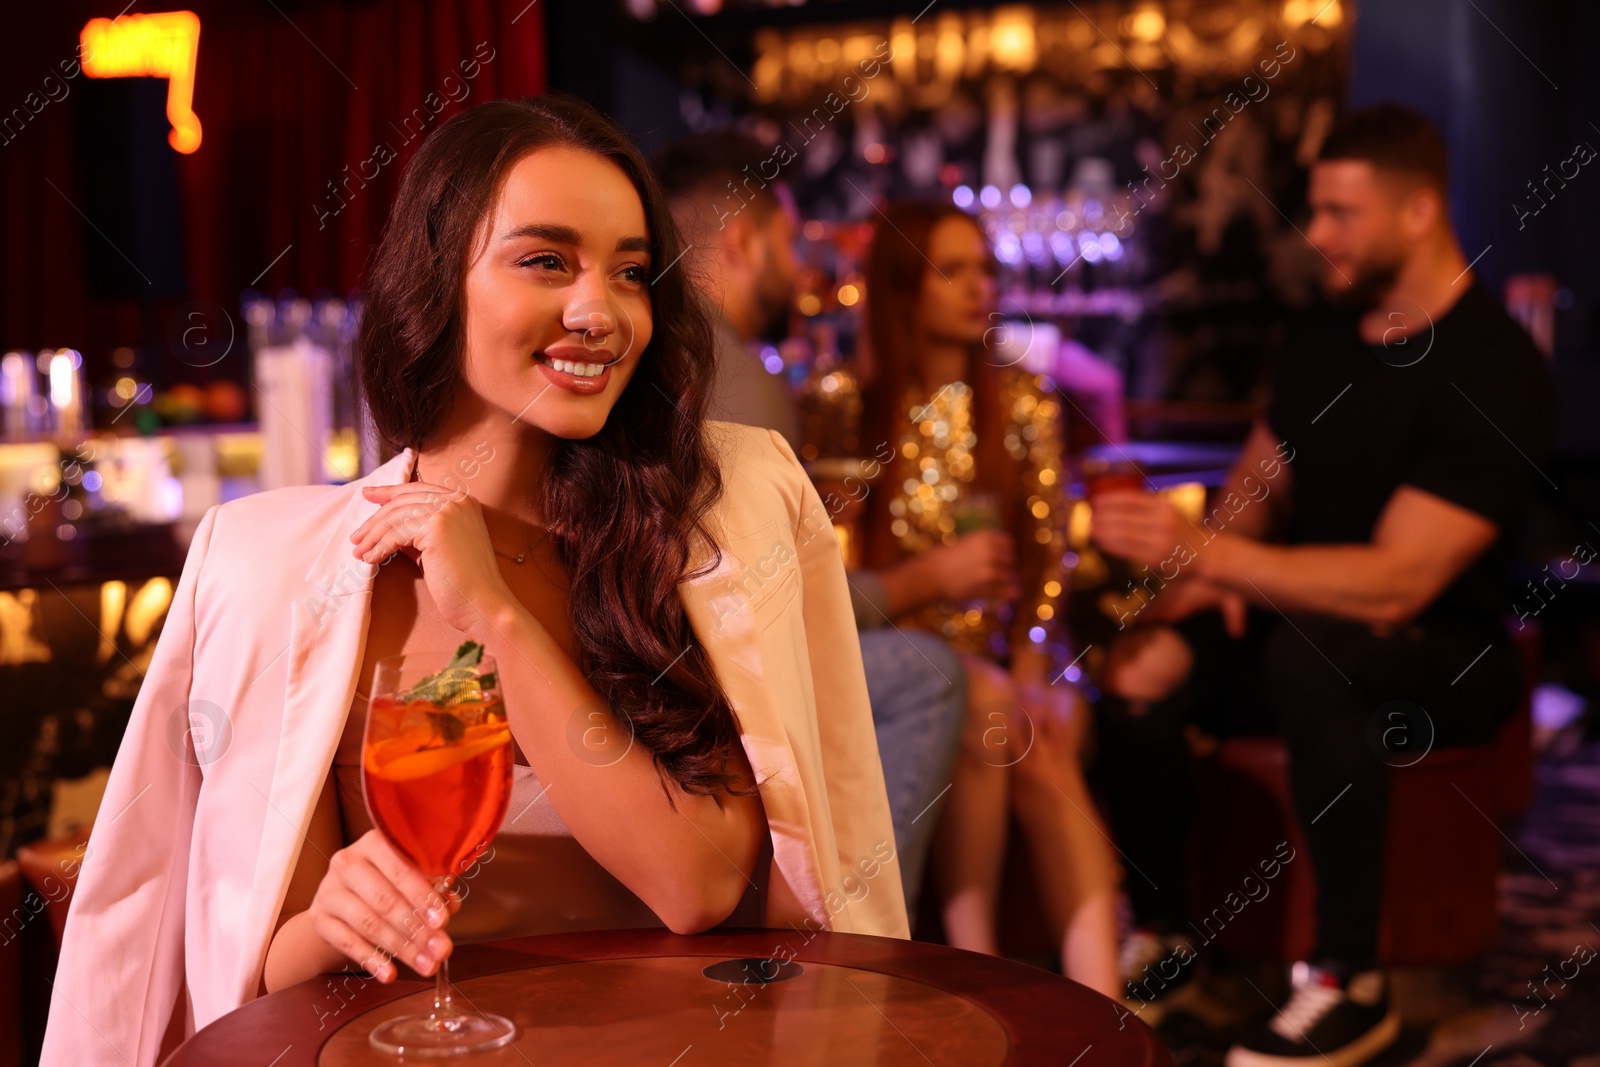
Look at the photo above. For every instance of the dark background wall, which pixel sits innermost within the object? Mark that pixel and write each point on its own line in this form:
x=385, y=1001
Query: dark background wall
x=1515, y=87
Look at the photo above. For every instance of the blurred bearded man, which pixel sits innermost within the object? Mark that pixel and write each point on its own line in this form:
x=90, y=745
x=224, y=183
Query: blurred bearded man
x=1360, y=565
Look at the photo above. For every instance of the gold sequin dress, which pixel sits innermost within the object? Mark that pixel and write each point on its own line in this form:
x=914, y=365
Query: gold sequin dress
x=935, y=500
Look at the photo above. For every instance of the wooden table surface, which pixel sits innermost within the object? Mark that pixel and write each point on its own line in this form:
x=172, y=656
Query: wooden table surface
x=639, y=997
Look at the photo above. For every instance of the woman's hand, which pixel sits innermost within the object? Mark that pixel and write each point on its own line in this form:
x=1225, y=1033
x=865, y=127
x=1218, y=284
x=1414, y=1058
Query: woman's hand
x=979, y=565
x=443, y=531
x=373, y=904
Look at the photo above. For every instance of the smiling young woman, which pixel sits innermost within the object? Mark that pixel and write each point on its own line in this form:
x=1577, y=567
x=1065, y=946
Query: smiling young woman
x=538, y=372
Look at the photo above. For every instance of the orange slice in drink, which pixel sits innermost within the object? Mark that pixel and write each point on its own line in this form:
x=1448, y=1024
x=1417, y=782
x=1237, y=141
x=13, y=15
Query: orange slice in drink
x=403, y=759
x=381, y=752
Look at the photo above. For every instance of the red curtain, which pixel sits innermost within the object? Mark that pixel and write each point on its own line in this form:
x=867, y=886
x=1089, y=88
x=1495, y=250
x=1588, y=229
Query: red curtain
x=309, y=112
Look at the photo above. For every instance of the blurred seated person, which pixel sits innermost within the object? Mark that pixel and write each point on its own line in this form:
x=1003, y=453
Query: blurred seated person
x=978, y=478
x=1358, y=555
x=741, y=259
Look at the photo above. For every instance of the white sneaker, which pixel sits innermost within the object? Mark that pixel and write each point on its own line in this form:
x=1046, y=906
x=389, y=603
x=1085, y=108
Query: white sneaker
x=1323, y=1023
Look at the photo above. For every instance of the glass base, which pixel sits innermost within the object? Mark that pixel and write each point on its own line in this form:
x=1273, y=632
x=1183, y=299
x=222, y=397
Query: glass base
x=451, y=1035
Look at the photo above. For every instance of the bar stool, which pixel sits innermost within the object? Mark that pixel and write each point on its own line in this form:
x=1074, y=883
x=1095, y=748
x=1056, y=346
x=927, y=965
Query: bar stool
x=1442, y=855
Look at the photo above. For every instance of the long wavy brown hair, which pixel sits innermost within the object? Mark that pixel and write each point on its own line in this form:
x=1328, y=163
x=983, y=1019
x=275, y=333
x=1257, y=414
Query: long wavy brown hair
x=896, y=269
x=626, y=507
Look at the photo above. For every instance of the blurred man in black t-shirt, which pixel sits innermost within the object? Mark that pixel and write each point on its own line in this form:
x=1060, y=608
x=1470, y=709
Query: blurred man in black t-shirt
x=1366, y=528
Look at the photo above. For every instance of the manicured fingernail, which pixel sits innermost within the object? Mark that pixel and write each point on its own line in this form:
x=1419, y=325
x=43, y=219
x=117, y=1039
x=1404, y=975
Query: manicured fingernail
x=424, y=961
x=435, y=917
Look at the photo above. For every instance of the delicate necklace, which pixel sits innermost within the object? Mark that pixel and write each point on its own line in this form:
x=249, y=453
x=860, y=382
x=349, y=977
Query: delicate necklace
x=520, y=556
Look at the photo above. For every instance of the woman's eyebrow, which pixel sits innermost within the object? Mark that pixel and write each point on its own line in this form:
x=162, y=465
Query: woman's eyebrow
x=566, y=235
x=548, y=231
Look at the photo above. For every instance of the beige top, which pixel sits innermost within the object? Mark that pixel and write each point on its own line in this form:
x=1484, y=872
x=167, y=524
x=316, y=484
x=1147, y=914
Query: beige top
x=534, y=878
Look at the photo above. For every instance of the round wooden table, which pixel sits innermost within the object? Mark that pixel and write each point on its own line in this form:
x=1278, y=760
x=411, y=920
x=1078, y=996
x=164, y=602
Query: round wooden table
x=641, y=997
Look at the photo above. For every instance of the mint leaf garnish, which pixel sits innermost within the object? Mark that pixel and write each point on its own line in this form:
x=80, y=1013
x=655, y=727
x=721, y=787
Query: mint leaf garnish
x=455, y=682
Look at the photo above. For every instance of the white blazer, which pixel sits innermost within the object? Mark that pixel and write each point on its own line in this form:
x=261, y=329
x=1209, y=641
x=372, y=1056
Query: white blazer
x=235, y=728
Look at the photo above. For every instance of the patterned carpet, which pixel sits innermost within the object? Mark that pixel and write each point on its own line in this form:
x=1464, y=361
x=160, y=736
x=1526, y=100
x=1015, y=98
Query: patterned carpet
x=1546, y=966
x=1534, y=1001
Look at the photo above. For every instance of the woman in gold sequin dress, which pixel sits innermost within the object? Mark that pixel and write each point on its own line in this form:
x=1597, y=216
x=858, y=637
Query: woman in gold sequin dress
x=967, y=525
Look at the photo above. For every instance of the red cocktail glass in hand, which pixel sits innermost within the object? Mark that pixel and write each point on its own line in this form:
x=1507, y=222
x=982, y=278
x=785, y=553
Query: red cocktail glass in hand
x=1105, y=475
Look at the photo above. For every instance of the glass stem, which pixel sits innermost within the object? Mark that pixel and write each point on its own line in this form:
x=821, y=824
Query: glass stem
x=443, y=1006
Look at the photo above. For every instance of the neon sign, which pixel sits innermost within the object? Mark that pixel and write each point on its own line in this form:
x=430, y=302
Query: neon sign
x=150, y=46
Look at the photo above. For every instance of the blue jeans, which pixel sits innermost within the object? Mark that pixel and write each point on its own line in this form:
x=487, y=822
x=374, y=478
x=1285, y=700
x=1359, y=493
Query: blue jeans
x=918, y=691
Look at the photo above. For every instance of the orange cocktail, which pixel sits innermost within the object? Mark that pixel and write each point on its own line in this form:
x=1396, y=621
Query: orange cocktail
x=415, y=769
x=436, y=774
